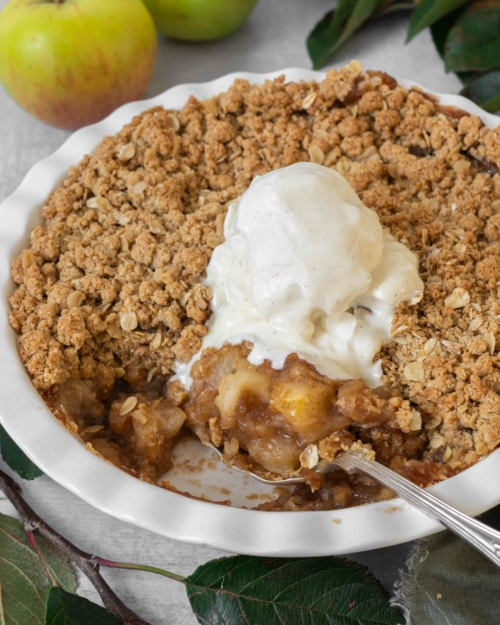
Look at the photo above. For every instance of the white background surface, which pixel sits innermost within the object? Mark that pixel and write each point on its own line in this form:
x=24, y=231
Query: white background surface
x=273, y=38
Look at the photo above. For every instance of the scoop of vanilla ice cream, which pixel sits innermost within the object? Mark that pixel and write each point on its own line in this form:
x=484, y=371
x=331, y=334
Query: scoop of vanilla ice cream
x=306, y=268
x=305, y=245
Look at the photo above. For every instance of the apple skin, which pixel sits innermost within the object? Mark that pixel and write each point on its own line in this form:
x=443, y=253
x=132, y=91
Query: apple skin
x=199, y=20
x=72, y=62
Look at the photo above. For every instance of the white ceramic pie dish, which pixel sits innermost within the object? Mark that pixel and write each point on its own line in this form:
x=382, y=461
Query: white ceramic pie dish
x=64, y=459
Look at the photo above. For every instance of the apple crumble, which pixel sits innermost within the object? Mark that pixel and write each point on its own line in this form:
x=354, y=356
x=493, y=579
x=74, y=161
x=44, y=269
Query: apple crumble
x=110, y=293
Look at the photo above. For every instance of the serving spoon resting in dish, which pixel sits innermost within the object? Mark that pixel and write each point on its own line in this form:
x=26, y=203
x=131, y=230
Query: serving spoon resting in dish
x=483, y=538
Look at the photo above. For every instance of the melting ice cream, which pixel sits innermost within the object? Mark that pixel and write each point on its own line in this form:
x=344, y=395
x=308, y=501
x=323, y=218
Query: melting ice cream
x=307, y=268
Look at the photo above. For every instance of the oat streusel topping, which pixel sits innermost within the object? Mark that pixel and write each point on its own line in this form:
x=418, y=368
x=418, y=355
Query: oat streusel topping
x=110, y=285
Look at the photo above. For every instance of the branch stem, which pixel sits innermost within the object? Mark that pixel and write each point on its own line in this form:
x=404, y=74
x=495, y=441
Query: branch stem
x=86, y=562
x=138, y=567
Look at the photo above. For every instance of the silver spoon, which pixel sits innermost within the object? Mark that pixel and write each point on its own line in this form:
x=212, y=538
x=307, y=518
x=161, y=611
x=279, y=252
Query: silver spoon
x=483, y=538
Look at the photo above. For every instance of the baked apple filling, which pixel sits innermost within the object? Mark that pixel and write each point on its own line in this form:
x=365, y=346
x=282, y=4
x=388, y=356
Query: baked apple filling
x=280, y=420
x=288, y=421
x=284, y=422
x=276, y=422
x=131, y=426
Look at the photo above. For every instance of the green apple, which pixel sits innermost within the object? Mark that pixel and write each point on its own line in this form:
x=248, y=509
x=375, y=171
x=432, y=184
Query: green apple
x=72, y=62
x=199, y=20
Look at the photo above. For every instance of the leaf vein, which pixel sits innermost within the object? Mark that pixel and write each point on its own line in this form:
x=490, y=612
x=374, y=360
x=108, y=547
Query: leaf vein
x=24, y=606
x=284, y=605
x=2, y=613
x=26, y=577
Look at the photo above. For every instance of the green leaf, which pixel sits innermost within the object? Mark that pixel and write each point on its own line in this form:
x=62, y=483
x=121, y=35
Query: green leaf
x=474, y=41
x=321, y=40
x=441, y=28
x=428, y=12
x=363, y=10
x=337, y=26
x=24, y=582
x=16, y=458
x=468, y=77
x=65, y=608
x=485, y=91
x=399, y=5
x=279, y=591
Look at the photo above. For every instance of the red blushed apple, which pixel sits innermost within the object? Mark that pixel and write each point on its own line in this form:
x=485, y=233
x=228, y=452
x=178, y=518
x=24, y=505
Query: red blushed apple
x=72, y=62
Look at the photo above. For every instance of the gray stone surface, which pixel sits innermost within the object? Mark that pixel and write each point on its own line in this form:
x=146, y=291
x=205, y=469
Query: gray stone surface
x=272, y=39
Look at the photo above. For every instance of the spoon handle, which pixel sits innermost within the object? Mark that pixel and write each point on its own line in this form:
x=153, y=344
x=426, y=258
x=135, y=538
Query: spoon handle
x=483, y=538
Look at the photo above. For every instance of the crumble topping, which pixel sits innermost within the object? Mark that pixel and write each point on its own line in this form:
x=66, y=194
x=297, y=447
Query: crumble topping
x=109, y=288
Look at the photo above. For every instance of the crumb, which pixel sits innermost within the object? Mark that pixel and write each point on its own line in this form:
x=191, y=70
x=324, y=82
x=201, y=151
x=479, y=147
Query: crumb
x=393, y=509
